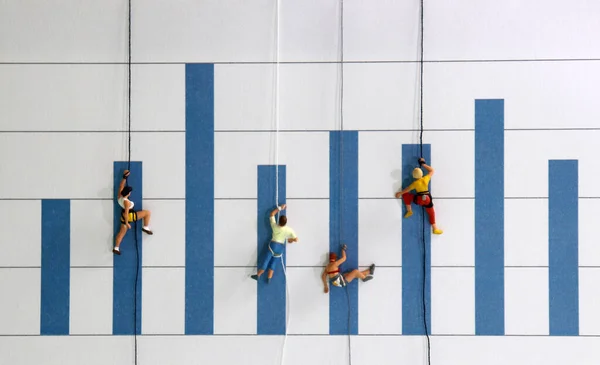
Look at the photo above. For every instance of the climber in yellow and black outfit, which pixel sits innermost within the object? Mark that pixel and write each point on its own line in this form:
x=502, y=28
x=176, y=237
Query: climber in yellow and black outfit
x=422, y=196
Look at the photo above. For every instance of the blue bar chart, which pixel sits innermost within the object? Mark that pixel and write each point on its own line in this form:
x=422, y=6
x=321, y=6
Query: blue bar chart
x=344, y=223
x=199, y=199
x=56, y=266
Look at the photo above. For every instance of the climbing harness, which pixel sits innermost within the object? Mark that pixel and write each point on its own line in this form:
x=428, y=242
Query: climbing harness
x=275, y=255
x=423, y=195
x=338, y=281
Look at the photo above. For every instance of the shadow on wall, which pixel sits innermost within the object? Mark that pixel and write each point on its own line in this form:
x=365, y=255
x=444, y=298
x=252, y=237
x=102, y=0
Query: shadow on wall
x=107, y=216
x=259, y=254
x=401, y=182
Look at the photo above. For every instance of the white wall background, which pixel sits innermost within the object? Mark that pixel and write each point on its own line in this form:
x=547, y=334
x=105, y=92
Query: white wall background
x=63, y=117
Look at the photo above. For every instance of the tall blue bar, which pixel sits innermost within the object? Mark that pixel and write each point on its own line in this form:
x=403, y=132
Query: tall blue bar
x=563, y=255
x=56, y=267
x=199, y=199
x=127, y=302
x=489, y=217
x=271, y=299
x=414, y=255
x=343, y=226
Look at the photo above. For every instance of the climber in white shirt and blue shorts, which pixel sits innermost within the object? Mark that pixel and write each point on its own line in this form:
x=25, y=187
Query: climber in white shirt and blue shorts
x=281, y=233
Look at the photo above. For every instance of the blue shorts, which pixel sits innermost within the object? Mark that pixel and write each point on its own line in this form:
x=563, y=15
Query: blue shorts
x=274, y=251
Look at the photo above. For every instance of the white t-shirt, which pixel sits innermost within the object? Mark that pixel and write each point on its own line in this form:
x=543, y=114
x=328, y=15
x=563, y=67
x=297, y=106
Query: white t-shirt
x=122, y=203
x=280, y=234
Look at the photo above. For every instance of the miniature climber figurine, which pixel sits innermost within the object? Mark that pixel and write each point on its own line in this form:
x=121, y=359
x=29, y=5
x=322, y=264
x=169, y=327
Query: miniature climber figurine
x=128, y=214
x=332, y=272
x=281, y=233
x=422, y=196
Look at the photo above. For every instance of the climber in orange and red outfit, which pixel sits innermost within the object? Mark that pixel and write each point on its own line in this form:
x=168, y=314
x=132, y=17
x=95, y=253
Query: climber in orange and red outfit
x=422, y=196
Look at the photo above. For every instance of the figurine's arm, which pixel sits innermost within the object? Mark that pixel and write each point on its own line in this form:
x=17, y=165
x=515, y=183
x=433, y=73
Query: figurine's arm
x=405, y=190
x=429, y=169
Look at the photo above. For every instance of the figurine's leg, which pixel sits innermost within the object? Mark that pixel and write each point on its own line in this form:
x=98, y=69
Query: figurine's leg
x=431, y=213
x=408, y=198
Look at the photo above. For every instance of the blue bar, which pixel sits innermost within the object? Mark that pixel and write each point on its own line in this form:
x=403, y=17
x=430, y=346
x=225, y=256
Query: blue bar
x=563, y=271
x=199, y=199
x=343, y=226
x=489, y=217
x=126, y=300
x=412, y=249
x=56, y=267
x=271, y=300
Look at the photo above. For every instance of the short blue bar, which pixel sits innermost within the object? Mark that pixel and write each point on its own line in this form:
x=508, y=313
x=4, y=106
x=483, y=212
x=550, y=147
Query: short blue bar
x=563, y=254
x=56, y=267
x=271, y=300
x=343, y=227
x=416, y=259
x=127, y=301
